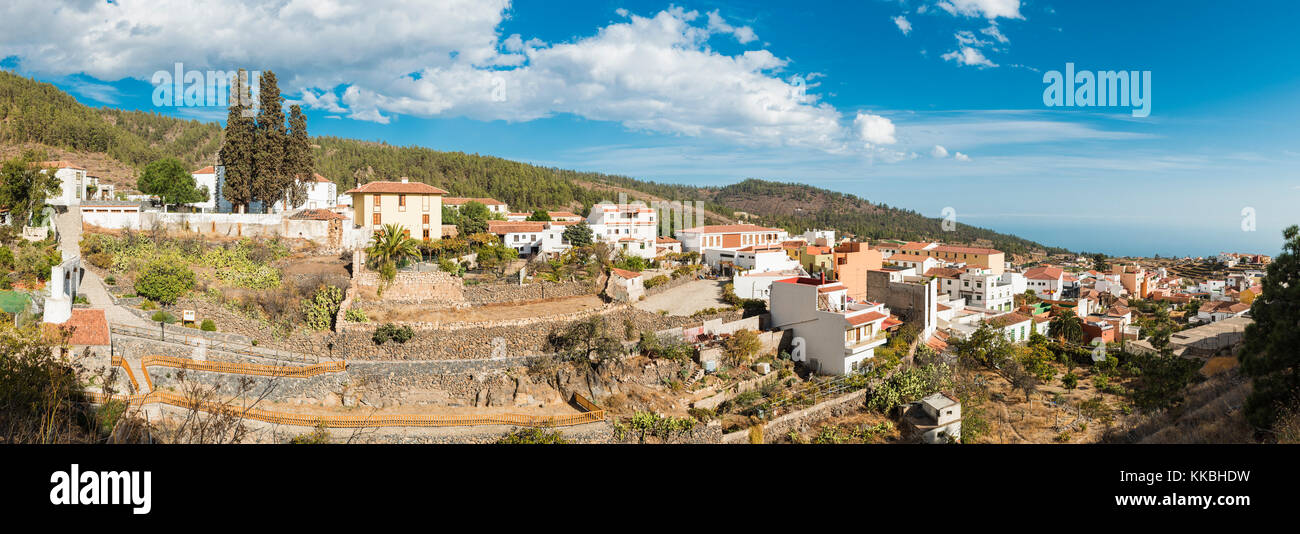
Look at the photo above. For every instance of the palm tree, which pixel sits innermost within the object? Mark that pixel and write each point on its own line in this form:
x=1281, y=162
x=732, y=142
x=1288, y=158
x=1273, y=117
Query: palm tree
x=1066, y=328
x=390, y=246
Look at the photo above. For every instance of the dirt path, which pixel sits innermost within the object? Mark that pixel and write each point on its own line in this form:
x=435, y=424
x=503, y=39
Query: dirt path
x=92, y=286
x=687, y=298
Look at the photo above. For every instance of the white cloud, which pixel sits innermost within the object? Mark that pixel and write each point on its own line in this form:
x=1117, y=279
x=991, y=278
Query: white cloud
x=993, y=31
x=371, y=61
x=989, y=9
x=969, y=56
x=744, y=34
x=622, y=12
x=961, y=157
x=939, y=152
x=874, y=129
x=903, y=25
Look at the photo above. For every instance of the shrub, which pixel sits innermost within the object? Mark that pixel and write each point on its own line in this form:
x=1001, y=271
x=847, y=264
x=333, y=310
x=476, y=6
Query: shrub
x=532, y=436
x=318, y=312
x=658, y=280
x=110, y=280
x=390, y=331
x=208, y=326
x=148, y=305
x=103, y=260
x=164, y=317
x=356, y=315
x=164, y=281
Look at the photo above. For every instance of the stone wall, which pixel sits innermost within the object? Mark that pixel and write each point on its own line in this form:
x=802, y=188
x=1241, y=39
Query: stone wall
x=803, y=418
x=507, y=292
x=437, y=288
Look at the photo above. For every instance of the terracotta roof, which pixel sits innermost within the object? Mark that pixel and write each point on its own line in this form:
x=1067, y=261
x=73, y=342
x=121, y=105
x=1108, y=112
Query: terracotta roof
x=515, y=227
x=1044, y=273
x=1008, y=320
x=728, y=229
x=318, y=214
x=413, y=188
x=966, y=250
x=61, y=164
x=87, y=326
x=869, y=317
x=624, y=273
x=567, y=214
x=943, y=272
x=206, y=170
x=915, y=245
x=817, y=250
x=318, y=178
x=662, y=239
x=907, y=257
x=457, y=201
x=942, y=307
x=937, y=344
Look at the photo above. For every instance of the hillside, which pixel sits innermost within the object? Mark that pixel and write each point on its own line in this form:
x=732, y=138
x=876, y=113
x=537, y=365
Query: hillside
x=111, y=143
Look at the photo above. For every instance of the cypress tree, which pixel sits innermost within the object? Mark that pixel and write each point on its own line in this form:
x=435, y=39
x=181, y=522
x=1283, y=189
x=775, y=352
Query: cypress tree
x=237, y=150
x=298, y=158
x=270, y=179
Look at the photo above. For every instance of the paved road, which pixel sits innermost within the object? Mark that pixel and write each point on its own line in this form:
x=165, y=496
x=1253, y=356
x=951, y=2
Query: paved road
x=69, y=226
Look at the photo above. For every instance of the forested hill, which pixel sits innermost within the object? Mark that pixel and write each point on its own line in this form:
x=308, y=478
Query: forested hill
x=40, y=113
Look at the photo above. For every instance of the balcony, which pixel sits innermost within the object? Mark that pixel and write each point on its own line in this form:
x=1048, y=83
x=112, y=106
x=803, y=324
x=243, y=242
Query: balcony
x=858, y=346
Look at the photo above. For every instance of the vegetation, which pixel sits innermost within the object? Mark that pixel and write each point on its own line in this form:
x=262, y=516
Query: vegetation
x=24, y=186
x=171, y=181
x=208, y=326
x=588, y=340
x=390, y=247
x=164, y=282
x=532, y=436
x=43, y=394
x=390, y=331
x=356, y=315
x=1271, y=353
x=318, y=312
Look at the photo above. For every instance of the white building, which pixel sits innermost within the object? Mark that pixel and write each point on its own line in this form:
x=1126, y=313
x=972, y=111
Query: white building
x=920, y=263
x=758, y=285
x=321, y=194
x=729, y=236
x=206, y=177
x=936, y=418
x=759, y=259
x=834, y=336
x=72, y=183
x=65, y=279
x=493, y=205
x=982, y=289
x=631, y=228
x=1046, y=282
x=532, y=237
x=1017, y=281
x=824, y=238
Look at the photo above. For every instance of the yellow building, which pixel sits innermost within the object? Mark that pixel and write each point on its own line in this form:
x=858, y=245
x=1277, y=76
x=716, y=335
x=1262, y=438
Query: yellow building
x=415, y=206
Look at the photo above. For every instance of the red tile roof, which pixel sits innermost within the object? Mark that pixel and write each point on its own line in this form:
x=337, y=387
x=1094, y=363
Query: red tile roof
x=662, y=239
x=412, y=188
x=943, y=272
x=908, y=257
x=966, y=250
x=515, y=227
x=1009, y=319
x=869, y=317
x=317, y=215
x=624, y=273
x=206, y=170
x=318, y=178
x=61, y=164
x=1044, y=273
x=86, y=326
x=728, y=229
x=565, y=214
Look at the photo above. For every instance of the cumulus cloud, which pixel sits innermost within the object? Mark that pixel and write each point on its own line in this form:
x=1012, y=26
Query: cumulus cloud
x=717, y=24
x=939, y=152
x=961, y=157
x=993, y=31
x=874, y=129
x=903, y=25
x=969, y=56
x=989, y=9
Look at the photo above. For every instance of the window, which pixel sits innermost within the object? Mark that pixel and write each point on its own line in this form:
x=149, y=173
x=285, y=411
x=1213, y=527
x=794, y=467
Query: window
x=426, y=218
x=378, y=219
x=401, y=201
x=379, y=200
x=426, y=234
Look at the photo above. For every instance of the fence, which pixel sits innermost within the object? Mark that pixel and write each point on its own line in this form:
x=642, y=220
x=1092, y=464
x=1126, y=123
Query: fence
x=593, y=414
x=171, y=336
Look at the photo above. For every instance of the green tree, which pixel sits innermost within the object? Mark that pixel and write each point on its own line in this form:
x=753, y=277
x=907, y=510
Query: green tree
x=1099, y=262
x=741, y=346
x=1270, y=355
x=1067, y=327
x=579, y=235
x=540, y=215
x=298, y=160
x=473, y=219
x=171, y=181
x=24, y=187
x=271, y=177
x=390, y=246
x=237, y=151
x=164, y=281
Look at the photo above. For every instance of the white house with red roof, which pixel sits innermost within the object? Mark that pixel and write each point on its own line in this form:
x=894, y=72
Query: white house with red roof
x=532, y=237
x=630, y=228
x=833, y=335
x=206, y=177
x=729, y=237
x=72, y=182
x=1046, y=282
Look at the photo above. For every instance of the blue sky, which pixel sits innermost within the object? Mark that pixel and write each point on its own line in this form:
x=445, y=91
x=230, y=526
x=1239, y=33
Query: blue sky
x=836, y=95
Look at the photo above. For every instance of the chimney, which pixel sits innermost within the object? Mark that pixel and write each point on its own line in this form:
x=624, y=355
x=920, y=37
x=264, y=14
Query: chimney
x=405, y=179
